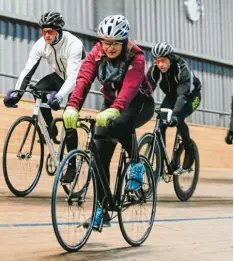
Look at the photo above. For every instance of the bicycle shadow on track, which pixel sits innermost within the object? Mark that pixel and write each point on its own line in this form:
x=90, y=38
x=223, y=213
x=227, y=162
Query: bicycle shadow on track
x=101, y=251
x=165, y=200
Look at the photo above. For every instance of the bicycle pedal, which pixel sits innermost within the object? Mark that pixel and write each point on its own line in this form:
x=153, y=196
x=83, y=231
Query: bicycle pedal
x=179, y=171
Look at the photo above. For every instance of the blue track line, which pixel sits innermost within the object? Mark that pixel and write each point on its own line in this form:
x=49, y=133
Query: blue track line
x=116, y=222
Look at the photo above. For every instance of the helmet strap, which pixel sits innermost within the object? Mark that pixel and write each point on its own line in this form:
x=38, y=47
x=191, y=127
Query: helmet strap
x=58, y=36
x=124, y=49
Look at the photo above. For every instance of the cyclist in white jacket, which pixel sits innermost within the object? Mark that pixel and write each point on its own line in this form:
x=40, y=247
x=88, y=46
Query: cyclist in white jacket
x=64, y=53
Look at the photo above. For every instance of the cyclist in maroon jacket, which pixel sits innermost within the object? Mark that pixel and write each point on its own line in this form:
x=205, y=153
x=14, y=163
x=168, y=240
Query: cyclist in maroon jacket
x=119, y=65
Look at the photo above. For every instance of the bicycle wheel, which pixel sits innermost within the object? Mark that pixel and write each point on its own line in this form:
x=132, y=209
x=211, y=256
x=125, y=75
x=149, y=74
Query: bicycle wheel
x=145, y=148
x=137, y=211
x=71, y=211
x=82, y=132
x=21, y=168
x=51, y=168
x=185, y=183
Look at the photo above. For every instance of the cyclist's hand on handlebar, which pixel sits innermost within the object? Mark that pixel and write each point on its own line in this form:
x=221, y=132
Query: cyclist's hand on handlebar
x=70, y=117
x=12, y=98
x=55, y=101
x=173, y=121
x=105, y=116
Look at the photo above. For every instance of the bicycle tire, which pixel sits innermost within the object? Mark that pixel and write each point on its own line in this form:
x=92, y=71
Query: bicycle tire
x=91, y=181
x=180, y=193
x=49, y=165
x=156, y=159
x=16, y=191
x=50, y=168
x=127, y=200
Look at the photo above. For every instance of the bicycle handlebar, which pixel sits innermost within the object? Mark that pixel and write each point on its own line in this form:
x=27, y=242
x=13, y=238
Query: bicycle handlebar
x=36, y=94
x=168, y=111
x=88, y=119
x=31, y=89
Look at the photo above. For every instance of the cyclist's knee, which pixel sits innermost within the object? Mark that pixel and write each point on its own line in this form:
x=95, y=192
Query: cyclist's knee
x=183, y=128
x=181, y=121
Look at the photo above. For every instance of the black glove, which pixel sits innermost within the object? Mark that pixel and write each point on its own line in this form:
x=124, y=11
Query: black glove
x=11, y=99
x=173, y=122
x=54, y=101
x=54, y=105
x=229, y=137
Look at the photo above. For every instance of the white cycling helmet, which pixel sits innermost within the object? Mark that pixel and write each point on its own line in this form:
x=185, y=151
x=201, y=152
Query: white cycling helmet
x=114, y=27
x=162, y=50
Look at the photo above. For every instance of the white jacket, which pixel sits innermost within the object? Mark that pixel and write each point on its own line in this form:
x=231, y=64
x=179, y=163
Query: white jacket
x=64, y=58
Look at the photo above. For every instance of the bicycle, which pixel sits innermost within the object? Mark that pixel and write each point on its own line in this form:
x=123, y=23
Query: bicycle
x=152, y=146
x=73, y=214
x=23, y=151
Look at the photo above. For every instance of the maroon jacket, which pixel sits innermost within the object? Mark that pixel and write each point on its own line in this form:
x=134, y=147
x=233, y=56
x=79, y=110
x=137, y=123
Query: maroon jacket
x=133, y=81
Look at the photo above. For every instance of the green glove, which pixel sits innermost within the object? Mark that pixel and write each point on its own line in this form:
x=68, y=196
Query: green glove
x=70, y=117
x=104, y=116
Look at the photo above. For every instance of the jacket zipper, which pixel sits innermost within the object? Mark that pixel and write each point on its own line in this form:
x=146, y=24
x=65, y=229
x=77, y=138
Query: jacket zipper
x=56, y=59
x=168, y=83
x=64, y=76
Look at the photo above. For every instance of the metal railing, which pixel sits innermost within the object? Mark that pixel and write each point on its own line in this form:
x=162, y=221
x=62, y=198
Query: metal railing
x=220, y=113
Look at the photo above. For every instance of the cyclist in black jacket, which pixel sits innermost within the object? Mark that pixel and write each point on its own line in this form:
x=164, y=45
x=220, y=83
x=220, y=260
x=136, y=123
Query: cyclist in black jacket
x=182, y=89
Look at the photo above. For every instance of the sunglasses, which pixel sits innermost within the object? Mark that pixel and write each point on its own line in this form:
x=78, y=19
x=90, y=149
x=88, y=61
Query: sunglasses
x=109, y=44
x=50, y=32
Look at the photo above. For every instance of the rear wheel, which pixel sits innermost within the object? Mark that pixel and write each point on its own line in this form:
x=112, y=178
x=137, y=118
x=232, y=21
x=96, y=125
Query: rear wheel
x=137, y=210
x=186, y=183
x=82, y=132
x=145, y=145
x=22, y=168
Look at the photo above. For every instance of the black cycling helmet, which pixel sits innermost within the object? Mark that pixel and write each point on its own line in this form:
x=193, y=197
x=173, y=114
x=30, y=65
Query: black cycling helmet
x=162, y=50
x=52, y=19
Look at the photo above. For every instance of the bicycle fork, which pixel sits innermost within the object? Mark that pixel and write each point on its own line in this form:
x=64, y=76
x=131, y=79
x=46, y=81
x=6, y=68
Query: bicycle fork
x=28, y=155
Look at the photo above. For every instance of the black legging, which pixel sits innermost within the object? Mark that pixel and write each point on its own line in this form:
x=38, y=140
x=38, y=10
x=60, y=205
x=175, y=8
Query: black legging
x=53, y=82
x=137, y=114
x=193, y=102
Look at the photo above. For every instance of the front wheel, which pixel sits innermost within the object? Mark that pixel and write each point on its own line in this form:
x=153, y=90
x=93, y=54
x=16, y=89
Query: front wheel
x=137, y=210
x=186, y=183
x=73, y=210
x=23, y=156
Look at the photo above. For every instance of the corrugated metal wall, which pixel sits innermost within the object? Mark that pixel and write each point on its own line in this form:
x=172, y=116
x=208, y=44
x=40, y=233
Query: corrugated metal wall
x=165, y=20
x=79, y=14
x=151, y=21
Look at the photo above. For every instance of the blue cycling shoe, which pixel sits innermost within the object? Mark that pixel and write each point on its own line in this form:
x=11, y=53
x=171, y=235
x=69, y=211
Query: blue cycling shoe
x=101, y=220
x=135, y=179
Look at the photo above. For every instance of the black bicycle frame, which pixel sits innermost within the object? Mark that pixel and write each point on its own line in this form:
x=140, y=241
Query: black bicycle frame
x=157, y=132
x=96, y=164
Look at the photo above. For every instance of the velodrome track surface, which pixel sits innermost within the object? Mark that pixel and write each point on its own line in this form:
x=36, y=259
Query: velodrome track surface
x=198, y=230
